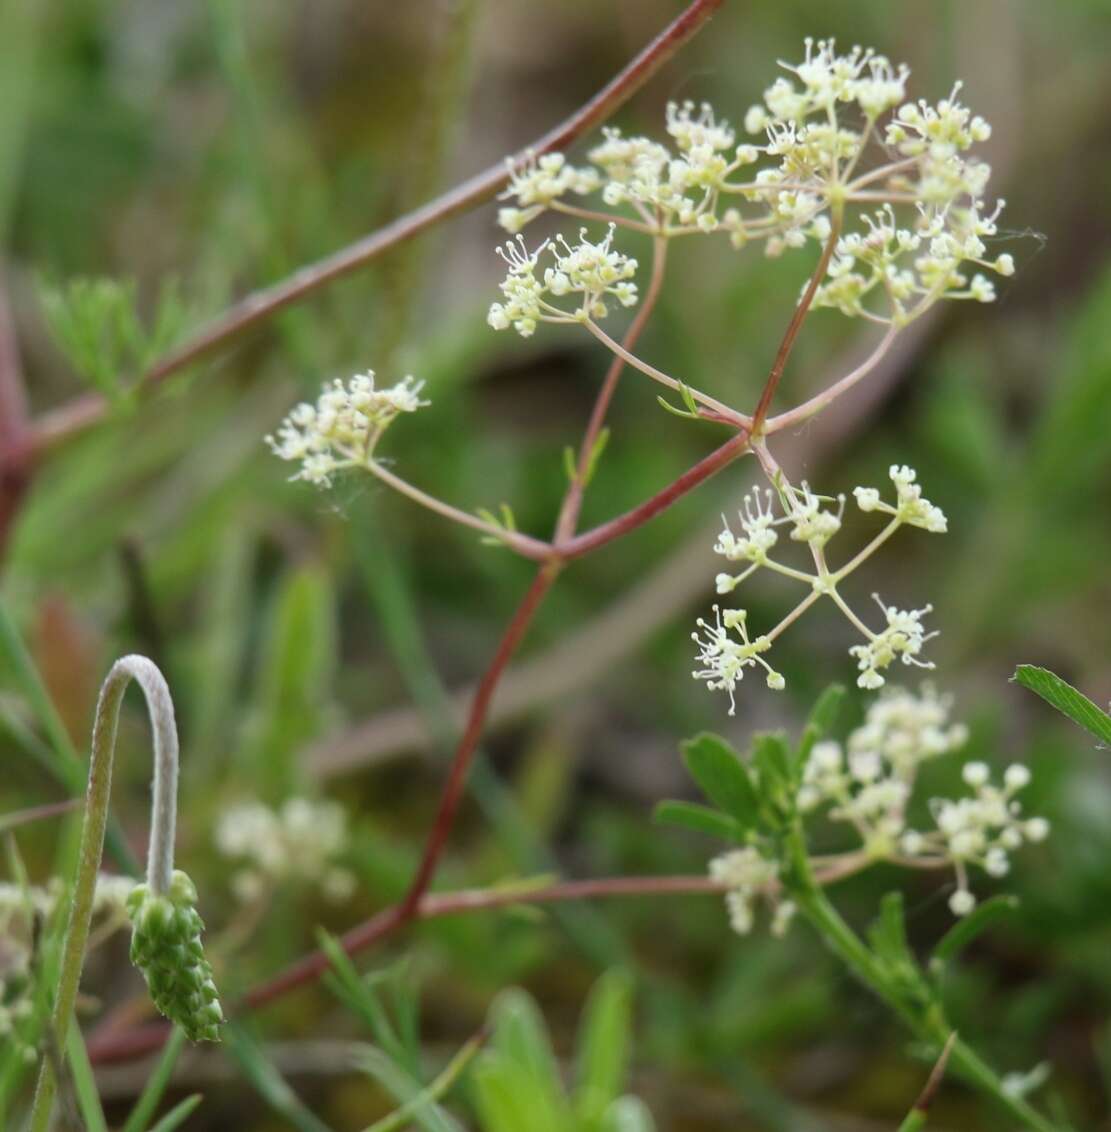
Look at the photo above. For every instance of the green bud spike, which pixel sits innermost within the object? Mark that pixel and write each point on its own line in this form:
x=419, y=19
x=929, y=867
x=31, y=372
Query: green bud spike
x=166, y=947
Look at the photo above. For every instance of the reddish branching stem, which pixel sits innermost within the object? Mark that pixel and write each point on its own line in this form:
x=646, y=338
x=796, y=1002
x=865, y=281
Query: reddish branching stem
x=468, y=743
x=591, y=540
x=572, y=502
x=794, y=326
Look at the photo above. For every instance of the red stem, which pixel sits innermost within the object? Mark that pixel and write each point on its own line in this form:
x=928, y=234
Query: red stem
x=572, y=503
x=468, y=744
x=262, y=305
x=650, y=508
x=132, y=1043
x=794, y=326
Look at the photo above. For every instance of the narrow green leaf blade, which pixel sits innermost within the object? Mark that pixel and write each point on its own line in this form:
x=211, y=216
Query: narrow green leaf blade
x=699, y=819
x=268, y=1082
x=84, y=1083
x=722, y=777
x=821, y=721
x=177, y=1116
x=1066, y=699
x=603, y=1046
x=156, y=1083
x=964, y=931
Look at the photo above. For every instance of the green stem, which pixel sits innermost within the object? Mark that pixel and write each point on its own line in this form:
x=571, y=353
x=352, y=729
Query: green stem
x=160, y=857
x=926, y=1023
x=430, y=1095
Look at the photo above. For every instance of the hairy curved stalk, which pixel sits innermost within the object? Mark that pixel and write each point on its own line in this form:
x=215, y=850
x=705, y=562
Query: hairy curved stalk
x=160, y=858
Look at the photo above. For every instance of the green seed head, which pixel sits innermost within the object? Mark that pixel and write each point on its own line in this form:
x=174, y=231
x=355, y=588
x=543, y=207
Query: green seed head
x=166, y=947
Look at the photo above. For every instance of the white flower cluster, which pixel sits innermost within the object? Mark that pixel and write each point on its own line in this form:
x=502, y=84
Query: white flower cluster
x=981, y=830
x=298, y=843
x=589, y=270
x=868, y=784
x=824, y=156
x=342, y=428
x=725, y=658
x=909, y=505
x=749, y=875
x=537, y=182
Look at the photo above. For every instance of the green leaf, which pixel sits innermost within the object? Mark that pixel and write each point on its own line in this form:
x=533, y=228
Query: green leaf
x=603, y=1045
x=888, y=935
x=1066, y=699
x=177, y=1116
x=518, y=1079
x=772, y=758
x=295, y=680
x=676, y=412
x=156, y=1083
x=967, y=929
x=596, y=455
x=521, y=1035
x=84, y=1083
x=820, y=722
x=722, y=777
x=504, y=1096
x=569, y=469
x=700, y=819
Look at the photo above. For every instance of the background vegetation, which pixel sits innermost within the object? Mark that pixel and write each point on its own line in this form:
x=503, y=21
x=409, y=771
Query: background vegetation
x=315, y=642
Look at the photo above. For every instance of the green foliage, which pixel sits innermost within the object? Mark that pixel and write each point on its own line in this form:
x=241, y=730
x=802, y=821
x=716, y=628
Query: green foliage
x=96, y=324
x=517, y=1081
x=966, y=930
x=723, y=778
x=1066, y=699
x=263, y=1075
x=294, y=682
x=84, y=1083
x=148, y=1100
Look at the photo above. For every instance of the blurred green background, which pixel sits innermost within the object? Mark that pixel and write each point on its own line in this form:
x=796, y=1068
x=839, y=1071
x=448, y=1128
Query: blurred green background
x=314, y=641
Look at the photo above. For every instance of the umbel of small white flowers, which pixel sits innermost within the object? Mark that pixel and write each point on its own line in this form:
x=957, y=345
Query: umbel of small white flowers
x=341, y=430
x=590, y=271
x=300, y=843
x=725, y=649
x=868, y=784
x=835, y=143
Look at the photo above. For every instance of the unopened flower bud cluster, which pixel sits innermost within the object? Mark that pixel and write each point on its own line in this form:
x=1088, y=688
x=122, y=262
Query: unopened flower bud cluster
x=298, y=843
x=166, y=946
x=725, y=646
